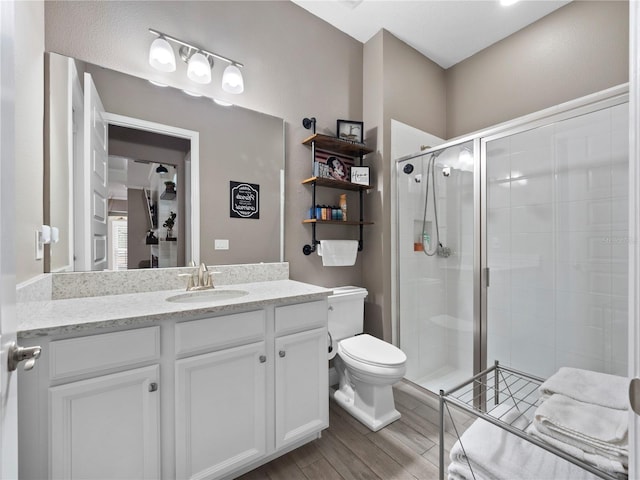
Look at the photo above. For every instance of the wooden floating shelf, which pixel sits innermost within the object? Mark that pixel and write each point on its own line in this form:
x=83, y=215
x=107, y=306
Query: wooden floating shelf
x=336, y=145
x=339, y=184
x=335, y=222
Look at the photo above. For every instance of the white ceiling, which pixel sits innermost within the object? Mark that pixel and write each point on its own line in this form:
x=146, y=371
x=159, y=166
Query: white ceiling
x=446, y=31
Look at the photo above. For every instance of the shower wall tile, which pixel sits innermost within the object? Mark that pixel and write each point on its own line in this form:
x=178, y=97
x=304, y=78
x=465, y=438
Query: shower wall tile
x=582, y=247
x=531, y=140
x=529, y=219
x=593, y=278
x=584, y=216
x=589, y=310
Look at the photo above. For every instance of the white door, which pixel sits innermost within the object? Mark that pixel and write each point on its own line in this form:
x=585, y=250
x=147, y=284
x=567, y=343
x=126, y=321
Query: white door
x=91, y=240
x=302, y=403
x=8, y=385
x=220, y=411
x=107, y=427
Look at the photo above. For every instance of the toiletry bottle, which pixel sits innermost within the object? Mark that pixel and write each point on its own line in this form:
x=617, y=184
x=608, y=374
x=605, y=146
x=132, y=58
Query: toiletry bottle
x=343, y=206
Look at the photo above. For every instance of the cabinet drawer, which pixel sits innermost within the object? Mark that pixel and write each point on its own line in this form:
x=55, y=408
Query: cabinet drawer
x=220, y=332
x=97, y=353
x=302, y=316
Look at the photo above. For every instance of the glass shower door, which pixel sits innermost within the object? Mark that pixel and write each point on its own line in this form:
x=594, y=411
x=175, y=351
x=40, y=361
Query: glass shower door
x=436, y=265
x=556, y=245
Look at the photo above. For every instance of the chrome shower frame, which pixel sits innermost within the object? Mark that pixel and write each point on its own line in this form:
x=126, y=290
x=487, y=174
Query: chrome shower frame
x=481, y=281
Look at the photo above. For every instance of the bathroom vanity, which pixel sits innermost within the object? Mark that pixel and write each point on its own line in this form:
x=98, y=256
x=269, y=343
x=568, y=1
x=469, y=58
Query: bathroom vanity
x=162, y=385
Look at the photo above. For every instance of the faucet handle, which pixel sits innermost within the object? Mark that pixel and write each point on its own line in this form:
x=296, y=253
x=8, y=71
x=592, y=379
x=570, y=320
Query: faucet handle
x=190, y=284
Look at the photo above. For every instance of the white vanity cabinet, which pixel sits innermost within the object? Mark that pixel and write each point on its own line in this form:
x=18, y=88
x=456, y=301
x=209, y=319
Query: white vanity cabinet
x=301, y=374
x=220, y=411
x=107, y=427
x=184, y=398
x=99, y=424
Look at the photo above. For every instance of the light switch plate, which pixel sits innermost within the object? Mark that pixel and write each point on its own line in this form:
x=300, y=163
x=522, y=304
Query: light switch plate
x=39, y=247
x=221, y=244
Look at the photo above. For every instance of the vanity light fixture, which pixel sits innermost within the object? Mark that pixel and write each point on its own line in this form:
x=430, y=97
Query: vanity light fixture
x=161, y=56
x=222, y=103
x=232, y=81
x=158, y=84
x=199, y=62
x=191, y=94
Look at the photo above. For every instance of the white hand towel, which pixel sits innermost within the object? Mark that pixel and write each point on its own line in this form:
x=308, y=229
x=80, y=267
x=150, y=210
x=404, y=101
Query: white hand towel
x=338, y=253
x=609, y=464
x=495, y=453
x=579, y=423
x=590, y=387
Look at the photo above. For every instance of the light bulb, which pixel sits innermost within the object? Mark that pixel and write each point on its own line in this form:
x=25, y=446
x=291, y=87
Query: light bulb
x=222, y=103
x=199, y=69
x=232, y=80
x=161, y=56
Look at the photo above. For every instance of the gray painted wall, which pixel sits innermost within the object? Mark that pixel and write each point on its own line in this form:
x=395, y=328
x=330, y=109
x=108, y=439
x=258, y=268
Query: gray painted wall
x=29, y=101
x=579, y=49
x=296, y=66
x=400, y=84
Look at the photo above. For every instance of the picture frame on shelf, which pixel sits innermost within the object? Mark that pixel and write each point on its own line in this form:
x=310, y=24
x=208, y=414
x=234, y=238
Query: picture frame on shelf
x=350, y=131
x=329, y=165
x=360, y=175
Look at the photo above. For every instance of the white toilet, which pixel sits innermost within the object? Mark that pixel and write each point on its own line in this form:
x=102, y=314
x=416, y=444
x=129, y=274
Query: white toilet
x=366, y=366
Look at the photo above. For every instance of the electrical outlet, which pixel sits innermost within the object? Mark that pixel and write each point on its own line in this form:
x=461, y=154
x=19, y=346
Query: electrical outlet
x=221, y=244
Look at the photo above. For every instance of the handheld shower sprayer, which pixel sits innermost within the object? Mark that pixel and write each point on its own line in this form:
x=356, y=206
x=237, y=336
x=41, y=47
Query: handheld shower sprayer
x=439, y=249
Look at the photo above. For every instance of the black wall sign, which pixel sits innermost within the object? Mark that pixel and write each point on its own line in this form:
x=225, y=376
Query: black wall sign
x=245, y=200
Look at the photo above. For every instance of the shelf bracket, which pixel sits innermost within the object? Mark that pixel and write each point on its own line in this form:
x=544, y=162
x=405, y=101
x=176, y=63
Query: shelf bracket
x=309, y=249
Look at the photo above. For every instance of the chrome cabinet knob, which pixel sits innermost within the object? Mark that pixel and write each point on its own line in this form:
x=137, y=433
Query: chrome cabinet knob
x=262, y=358
x=282, y=353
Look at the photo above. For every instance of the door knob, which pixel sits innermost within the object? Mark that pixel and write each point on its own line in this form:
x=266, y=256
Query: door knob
x=21, y=354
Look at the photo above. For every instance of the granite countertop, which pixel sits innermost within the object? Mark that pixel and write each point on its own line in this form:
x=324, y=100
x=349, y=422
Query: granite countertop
x=77, y=314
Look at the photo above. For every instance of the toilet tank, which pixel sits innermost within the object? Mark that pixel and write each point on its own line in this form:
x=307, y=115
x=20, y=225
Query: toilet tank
x=346, y=312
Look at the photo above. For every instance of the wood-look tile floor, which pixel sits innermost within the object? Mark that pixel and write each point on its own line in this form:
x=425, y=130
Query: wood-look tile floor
x=406, y=449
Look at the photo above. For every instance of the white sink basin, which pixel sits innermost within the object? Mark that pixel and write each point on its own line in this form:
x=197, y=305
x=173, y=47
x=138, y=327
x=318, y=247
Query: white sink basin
x=207, y=296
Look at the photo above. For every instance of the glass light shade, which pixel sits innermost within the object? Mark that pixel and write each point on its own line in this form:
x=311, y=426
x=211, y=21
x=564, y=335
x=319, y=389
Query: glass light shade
x=199, y=69
x=232, y=80
x=161, y=56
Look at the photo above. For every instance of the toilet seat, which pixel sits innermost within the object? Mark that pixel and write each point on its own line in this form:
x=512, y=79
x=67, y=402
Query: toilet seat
x=372, y=351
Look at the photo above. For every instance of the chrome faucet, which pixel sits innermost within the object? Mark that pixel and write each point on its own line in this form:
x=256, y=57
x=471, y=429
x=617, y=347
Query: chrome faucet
x=200, y=280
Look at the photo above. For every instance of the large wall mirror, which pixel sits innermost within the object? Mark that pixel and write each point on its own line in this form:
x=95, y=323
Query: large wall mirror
x=177, y=172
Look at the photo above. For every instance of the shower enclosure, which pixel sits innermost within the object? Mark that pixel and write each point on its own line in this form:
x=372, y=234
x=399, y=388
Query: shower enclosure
x=527, y=234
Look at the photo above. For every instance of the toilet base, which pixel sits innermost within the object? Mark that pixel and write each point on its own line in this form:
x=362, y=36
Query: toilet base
x=349, y=400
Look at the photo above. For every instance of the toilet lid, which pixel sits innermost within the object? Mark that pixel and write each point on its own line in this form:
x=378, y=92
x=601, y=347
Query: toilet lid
x=371, y=350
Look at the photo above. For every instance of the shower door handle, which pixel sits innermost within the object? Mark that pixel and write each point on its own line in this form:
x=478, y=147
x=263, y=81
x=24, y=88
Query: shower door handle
x=634, y=395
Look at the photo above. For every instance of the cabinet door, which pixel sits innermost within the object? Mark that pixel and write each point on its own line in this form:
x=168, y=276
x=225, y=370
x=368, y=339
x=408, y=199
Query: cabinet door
x=220, y=411
x=302, y=385
x=106, y=427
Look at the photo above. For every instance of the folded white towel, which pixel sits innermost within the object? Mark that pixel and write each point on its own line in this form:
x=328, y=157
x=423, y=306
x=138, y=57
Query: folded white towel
x=461, y=471
x=590, y=387
x=495, y=453
x=592, y=428
x=608, y=464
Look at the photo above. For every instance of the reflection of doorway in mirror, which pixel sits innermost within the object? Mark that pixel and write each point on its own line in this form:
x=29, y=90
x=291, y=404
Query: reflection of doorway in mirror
x=147, y=170
x=117, y=243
